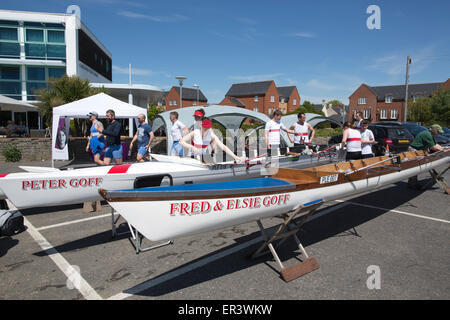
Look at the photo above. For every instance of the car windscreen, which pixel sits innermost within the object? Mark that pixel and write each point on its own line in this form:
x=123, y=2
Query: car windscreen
x=415, y=129
x=397, y=133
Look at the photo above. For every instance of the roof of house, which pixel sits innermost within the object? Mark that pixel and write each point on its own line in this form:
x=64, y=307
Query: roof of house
x=249, y=88
x=191, y=94
x=285, y=92
x=236, y=102
x=398, y=91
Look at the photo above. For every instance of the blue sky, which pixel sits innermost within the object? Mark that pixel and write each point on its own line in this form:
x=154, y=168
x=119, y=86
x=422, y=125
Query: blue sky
x=322, y=47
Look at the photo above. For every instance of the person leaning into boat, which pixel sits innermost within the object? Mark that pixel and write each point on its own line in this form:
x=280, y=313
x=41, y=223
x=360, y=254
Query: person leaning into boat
x=178, y=131
x=199, y=114
x=144, y=136
x=351, y=138
x=367, y=140
x=200, y=139
x=272, y=131
x=302, y=129
x=112, y=133
x=96, y=141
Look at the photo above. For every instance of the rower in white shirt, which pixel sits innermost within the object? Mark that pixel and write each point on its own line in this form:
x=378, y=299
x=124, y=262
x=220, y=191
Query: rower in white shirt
x=272, y=131
x=302, y=129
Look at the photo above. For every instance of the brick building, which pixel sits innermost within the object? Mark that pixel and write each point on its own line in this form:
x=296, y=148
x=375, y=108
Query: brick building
x=262, y=96
x=289, y=98
x=386, y=103
x=171, y=100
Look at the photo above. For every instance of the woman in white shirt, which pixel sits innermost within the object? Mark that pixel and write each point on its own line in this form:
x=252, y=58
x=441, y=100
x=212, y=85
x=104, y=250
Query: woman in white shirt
x=198, y=141
x=178, y=131
x=351, y=138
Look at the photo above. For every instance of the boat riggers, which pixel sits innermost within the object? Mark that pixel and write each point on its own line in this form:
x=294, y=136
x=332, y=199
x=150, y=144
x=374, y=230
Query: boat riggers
x=289, y=228
x=439, y=179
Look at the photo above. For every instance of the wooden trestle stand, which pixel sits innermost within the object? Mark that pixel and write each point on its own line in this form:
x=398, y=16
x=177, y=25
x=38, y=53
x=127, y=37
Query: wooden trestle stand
x=287, y=229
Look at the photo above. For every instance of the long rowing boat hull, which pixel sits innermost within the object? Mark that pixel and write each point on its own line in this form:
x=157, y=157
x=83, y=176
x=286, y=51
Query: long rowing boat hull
x=176, y=212
x=52, y=187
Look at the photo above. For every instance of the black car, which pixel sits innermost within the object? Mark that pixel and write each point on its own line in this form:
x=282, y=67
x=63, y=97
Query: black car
x=397, y=137
x=415, y=128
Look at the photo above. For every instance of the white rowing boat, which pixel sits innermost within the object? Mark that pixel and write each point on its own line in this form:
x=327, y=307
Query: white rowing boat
x=41, y=186
x=170, y=212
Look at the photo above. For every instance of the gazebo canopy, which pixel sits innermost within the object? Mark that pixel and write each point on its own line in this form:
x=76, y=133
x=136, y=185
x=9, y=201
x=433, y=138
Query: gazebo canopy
x=230, y=117
x=9, y=104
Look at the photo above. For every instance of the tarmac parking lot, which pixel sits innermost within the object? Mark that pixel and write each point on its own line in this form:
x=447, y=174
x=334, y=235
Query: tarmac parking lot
x=392, y=243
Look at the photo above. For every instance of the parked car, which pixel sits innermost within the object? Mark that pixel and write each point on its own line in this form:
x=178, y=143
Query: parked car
x=397, y=137
x=446, y=132
x=415, y=128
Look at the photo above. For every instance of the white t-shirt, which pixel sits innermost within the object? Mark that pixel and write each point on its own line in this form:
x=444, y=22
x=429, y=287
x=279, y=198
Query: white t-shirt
x=274, y=131
x=367, y=147
x=177, y=130
x=200, y=142
x=353, y=140
x=302, y=132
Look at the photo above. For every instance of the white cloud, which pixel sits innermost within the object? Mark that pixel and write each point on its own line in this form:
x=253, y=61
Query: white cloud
x=168, y=18
x=301, y=35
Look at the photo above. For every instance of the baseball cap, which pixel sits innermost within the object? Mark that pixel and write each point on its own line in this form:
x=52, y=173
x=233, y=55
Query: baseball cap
x=437, y=127
x=198, y=114
x=93, y=113
x=206, y=124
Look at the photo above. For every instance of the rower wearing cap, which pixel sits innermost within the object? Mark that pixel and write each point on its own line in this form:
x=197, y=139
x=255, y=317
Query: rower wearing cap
x=272, y=131
x=199, y=115
x=96, y=141
x=302, y=129
x=198, y=140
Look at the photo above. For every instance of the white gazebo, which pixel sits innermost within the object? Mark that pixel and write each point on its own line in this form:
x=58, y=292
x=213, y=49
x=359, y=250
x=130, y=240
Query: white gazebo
x=99, y=103
x=13, y=105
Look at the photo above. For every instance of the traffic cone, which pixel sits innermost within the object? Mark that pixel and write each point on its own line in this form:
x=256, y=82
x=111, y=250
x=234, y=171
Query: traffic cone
x=387, y=150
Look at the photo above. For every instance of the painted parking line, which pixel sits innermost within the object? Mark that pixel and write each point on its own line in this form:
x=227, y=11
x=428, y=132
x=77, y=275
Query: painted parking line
x=71, y=272
x=177, y=272
x=73, y=222
x=396, y=211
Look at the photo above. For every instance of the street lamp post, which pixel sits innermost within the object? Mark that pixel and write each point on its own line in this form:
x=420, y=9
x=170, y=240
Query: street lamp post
x=180, y=81
x=197, y=86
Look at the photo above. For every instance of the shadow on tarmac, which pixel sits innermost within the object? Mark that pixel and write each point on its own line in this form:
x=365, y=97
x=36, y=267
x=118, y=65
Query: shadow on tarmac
x=342, y=222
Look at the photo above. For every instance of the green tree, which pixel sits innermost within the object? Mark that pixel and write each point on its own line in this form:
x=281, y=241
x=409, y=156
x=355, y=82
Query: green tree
x=420, y=111
x=152, y=111
x=440, y=107
x=64, y=90
x=307, y=107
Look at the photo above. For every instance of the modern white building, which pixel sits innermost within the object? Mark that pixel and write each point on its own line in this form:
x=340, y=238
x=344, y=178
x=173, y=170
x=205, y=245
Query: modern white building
x=36, y=46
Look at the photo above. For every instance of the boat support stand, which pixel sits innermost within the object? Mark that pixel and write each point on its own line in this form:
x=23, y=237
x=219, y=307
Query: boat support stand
x=137, y=237
x=287, y=229
x=439, y=179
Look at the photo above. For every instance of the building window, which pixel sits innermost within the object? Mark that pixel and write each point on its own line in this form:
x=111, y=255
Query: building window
x=174, y=102
x=45, y=44
x=272, y=98
x=170, y=102
x=366, y=114
x=362, y=101
x=388, y=99
x=294, y=102
x=383, y=114
x=255, y=108
x=394, y=114
x=256, y=99
x=9, y=42
x=37, y=78
x=10, y=82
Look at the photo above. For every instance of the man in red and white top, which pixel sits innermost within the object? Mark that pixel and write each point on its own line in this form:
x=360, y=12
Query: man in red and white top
x=367, y=140
x=302, y=129
x=200, y=139
x=352, y=140
x=272, y=131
